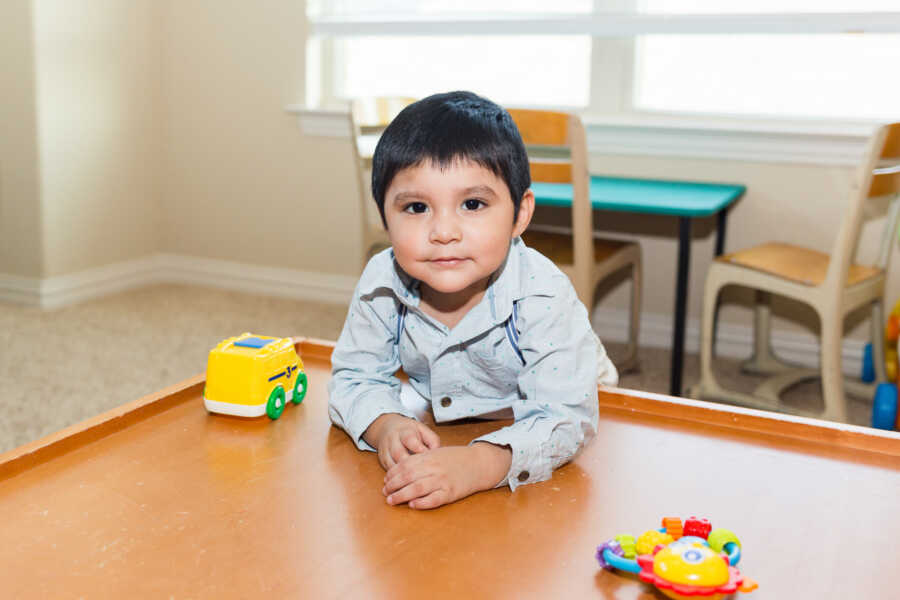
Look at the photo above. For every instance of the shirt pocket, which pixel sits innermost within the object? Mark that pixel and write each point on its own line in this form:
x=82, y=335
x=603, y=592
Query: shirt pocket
x=494, y=362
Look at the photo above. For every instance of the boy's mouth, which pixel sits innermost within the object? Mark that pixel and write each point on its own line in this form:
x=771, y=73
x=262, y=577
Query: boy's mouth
x=450, y=261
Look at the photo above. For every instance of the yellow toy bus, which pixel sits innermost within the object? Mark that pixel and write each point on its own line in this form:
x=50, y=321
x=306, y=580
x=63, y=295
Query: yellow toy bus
x=252, y=375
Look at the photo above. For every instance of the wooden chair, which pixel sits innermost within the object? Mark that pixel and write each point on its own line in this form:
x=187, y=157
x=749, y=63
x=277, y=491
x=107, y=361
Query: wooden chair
x=368, y=118
x=832, y=284
x=584, y=257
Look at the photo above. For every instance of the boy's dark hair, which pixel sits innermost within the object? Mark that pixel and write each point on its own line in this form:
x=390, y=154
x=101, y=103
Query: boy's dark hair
x=444, y=128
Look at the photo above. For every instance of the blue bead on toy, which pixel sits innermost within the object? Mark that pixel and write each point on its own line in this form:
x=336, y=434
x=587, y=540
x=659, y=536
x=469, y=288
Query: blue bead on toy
x=884, y=408
x=868, y=366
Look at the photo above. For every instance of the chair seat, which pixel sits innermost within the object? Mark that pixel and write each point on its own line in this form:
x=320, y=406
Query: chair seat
x=558, y=246
x=794, y=263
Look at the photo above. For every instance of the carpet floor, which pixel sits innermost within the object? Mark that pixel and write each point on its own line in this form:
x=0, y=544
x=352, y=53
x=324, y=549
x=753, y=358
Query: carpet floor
x=60, y=367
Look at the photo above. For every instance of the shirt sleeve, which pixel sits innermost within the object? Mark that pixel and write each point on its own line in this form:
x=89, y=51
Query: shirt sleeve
x=556, y=412
x=363, y=383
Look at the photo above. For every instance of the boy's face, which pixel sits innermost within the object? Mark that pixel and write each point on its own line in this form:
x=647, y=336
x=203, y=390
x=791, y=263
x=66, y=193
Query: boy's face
x=451, y=228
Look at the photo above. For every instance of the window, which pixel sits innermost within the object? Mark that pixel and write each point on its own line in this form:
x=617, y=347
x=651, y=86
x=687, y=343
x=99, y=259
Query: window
x=771, y=58
x=519, y=69
x=538, y=70
x=804, y=75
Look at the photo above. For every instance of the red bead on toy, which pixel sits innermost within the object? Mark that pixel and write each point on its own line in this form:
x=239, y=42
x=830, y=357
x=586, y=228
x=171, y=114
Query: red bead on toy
x=697, y=527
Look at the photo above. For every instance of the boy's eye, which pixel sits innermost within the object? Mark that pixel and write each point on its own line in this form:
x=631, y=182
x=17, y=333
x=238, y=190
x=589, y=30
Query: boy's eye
x=473, y=204
x=415, y=207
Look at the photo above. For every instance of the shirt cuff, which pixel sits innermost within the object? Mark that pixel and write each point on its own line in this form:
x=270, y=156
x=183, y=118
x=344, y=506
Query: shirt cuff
x=528, y=464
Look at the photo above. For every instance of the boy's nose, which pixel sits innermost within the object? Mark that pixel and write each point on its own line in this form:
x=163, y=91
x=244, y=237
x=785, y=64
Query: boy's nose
x=444, y=231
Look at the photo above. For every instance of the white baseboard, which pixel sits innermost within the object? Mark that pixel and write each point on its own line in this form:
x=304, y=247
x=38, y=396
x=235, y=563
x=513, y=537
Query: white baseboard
x=267, y=281
x=732, y=341
x=64, y=290
x=20, y=290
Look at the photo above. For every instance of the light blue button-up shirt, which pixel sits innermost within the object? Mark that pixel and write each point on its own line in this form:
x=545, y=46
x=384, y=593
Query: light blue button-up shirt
x=473, y=370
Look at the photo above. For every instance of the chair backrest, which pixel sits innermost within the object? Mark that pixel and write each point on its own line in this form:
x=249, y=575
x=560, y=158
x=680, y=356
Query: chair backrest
x=368, y=118
x=374, y=114
x=877, y=176
x=558, y=154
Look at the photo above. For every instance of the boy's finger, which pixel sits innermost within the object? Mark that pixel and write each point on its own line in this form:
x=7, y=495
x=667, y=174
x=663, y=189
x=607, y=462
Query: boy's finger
x=416, y=489
x=399, y=476
x=436, y=498
x=384, y=457
x=398, y=450
x=430, y=438
x=413, y=443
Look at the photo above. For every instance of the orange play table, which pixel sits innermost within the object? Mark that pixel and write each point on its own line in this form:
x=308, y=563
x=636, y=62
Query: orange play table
x=160, y=499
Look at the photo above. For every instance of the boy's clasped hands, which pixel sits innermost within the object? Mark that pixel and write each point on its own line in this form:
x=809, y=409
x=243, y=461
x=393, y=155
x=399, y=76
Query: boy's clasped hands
x=423, y=474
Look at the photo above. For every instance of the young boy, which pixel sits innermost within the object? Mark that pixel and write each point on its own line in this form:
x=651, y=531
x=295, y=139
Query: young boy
x=482, y=325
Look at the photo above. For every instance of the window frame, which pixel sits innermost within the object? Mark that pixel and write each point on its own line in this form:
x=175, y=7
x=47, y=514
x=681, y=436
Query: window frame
x=611, y=115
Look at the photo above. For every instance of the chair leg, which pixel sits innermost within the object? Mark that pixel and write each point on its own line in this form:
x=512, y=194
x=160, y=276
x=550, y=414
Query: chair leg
x=763, y=361
x=832, y=376
x=630, y=360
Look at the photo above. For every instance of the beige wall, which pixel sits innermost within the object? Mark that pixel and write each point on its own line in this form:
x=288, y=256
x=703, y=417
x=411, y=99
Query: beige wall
x=98, y=83
x=20, y=210
x=241, y=182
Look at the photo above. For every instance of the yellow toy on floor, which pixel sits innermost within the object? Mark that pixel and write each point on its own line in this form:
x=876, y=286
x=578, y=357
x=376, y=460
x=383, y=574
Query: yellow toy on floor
x=252, y=375
x=891, y=333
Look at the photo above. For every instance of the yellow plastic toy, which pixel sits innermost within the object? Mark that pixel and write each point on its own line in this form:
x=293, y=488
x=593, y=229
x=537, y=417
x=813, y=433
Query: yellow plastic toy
x=252, y=375
x=891, y=333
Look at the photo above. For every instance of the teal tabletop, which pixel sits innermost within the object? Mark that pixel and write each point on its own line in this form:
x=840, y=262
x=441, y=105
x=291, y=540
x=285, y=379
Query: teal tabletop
x=651, y=196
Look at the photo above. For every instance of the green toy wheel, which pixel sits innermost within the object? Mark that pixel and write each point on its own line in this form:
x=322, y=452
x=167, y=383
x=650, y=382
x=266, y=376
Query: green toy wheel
x=299, y=388
x=275, y=405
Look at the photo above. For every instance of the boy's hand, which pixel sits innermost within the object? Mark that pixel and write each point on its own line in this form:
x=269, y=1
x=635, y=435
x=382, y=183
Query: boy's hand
x=396, y=437
x=444, y=475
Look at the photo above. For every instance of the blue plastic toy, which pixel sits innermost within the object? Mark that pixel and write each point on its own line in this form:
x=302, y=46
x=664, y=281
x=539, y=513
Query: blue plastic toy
x=868, y=366
x=884, y=408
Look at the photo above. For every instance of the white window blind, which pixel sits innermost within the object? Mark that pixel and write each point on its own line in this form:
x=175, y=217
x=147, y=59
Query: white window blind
x=842, y=76
x=529, y=70
x=510, y=69
x=781, y=58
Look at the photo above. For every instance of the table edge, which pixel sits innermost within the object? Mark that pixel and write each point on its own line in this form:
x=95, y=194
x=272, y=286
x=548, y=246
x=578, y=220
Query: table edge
x=43, y=450
x=736, y=192
x=827, y=433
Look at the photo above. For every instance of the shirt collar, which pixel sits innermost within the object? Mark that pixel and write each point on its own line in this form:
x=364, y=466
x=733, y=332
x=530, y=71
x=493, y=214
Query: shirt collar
x=505, y=287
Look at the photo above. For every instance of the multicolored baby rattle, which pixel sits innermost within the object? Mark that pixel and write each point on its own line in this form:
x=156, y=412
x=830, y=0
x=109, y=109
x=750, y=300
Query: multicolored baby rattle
x=682, y=561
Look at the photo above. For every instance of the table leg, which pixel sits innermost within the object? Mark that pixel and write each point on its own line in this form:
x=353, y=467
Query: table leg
x=720, y=231
x=681, y=297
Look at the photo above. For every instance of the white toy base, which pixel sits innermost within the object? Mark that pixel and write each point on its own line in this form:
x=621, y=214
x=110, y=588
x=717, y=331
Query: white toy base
x=240, y=410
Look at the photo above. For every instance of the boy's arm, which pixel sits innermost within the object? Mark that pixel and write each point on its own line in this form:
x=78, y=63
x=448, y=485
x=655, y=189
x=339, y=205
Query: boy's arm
x=363, y=385
x=558, y=413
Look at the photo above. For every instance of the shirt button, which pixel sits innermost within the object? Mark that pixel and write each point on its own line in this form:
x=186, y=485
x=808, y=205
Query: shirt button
x=524, y=475
x=445, y=401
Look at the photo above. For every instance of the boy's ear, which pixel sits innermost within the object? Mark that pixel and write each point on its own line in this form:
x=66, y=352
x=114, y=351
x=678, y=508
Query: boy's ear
x=526, y=210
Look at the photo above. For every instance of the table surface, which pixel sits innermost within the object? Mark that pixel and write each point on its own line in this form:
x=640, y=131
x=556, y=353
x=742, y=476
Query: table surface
x=159, y=499
x=649, y=196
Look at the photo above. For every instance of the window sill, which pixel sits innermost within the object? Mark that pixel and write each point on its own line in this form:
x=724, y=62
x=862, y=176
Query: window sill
x=753, y=140
x=716, y=138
